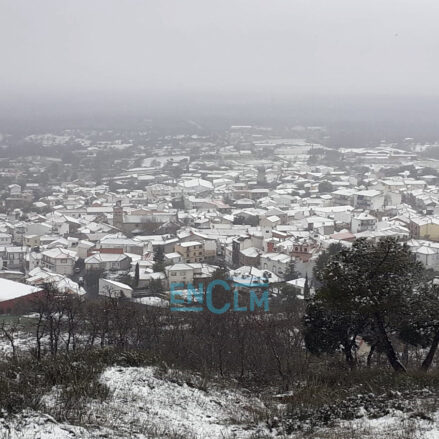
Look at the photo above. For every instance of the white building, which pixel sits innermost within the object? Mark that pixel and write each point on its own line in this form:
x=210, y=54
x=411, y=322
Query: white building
x=277, y=263
x=362, y=222
x=107, y=261
x=5, y=239
x=369, y=200
x=180, y=273
x=112, y=288
x=59, y=260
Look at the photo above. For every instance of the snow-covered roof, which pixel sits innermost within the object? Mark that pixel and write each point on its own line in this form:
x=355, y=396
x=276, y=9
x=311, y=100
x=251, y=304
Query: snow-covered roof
x=117, y=284
x=10, y=290
x=59, y=253
x=105, y=257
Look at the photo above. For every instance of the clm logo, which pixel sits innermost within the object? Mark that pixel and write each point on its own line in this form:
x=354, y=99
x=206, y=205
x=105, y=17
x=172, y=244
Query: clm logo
x=192, y=300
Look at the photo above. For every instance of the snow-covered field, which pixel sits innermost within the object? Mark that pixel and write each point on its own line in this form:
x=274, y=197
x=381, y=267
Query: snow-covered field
x=146, y=402
x=143, y=401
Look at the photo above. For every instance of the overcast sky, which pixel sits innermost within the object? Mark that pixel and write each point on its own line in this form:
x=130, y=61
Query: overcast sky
x=306, y=46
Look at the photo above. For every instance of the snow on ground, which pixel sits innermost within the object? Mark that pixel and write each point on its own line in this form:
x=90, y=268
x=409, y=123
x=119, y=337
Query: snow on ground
x=22, y=341
x=165, y=405
x=31, y=425
x=146, y=403
x=397, y=425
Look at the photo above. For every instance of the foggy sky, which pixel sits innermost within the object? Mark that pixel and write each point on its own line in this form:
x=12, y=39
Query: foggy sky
x=305, y=46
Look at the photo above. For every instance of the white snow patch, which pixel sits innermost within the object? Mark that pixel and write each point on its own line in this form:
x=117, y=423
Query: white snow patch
x=141, y=397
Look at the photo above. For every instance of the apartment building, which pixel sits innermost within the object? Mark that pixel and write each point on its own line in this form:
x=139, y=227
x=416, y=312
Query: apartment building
x=191, y=251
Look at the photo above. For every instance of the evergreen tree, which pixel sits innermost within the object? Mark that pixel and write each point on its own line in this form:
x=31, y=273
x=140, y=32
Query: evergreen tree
x=136, y=276
x=159, y=258
x=324, y=258
x=419, y=326
x=306, y=288
x=156, y=287
x=291, y=273
x=369, y=287
x=159, y=254
x=327, y=329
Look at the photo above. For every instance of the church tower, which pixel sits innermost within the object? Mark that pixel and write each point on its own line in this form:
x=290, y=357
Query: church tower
x=261, y=178
x=118, y=215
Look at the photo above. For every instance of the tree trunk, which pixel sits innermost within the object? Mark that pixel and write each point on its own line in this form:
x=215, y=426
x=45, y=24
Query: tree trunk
x=369, y=355
x=349, y=357
x=405, y=355
x=348, y=353
x=387, y=345
x=429, y=358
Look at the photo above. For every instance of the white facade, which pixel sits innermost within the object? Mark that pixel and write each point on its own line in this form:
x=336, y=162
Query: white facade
x=111, y=288
x=59, y=260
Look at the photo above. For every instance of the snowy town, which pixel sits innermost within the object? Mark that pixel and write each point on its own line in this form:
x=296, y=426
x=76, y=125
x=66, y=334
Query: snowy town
x=219, y=219
x=93, y=213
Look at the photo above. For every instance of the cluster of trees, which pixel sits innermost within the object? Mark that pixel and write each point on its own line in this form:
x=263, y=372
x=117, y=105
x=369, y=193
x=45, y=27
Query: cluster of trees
x=376, y=291
x=259, y=346
x=373, y=290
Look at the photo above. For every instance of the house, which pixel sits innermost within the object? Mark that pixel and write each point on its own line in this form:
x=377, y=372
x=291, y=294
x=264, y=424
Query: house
x=31, y=241
x=300, y=285
x=59, y=260
x=151, y=243
x=268, y=224
x=343, y=235
x=14, y=190
x=173, y=258
x=15, y=294
x=321, y=225
x=120, y=244
x=362, y=222
x=428, y=256
x=369, y=200
x=114, y=289
x=18, y=231
x=107, y=261
x=244, y=203
x=5, y=239
x=141, y=220
x=250, y=256
x=191, y=251
x=40, y=276
x=424, y=227
x=277, y=263
x=196, y=186
x=209, y=243
x=38, y=229
x=147, y=276
x=84, y=247
x=343, y=197
x=14, y=257
x=303, y=249
x=179, y=273
x=250, y=278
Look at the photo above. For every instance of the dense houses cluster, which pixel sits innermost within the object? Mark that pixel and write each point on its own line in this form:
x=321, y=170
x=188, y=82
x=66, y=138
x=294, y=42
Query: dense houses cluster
x=255, y=203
